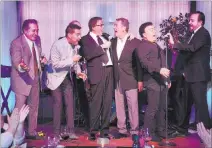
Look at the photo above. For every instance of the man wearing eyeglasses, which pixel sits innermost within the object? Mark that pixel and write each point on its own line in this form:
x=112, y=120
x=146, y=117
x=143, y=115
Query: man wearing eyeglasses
x=95, y=50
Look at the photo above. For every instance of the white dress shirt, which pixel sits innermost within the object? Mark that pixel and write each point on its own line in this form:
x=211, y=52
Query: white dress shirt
x=94, y=36
x=30, y=43
x=120, y=45
x=194, y=33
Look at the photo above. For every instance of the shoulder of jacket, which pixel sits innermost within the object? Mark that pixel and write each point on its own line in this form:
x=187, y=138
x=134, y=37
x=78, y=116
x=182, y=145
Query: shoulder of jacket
x=17, y=40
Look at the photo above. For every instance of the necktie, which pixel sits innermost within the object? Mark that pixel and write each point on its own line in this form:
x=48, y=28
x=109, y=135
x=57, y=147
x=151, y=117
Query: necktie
x=104, y=57
x=35, y=59
x=159, y=50
x=191, y=37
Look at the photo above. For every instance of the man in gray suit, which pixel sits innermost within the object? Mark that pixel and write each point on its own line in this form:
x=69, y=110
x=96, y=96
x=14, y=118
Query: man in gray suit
x=26, y=62
x=64, y=59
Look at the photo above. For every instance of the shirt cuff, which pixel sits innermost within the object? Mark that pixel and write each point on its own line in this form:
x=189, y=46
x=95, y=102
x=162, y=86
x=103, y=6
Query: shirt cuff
x=19, y=140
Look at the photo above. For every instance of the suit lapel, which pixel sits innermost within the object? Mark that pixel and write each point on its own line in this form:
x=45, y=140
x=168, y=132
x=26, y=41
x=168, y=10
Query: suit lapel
x=126, y=47
x=26, y=48
x=114, y=50
x=193, y=39
x=91, y=39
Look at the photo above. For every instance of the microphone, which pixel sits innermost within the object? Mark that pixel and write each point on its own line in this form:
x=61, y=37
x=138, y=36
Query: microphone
x=107, y=36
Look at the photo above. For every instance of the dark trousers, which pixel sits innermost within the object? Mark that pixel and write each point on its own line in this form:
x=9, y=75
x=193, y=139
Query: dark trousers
x=178, y=100
x=64, y=90
x=83, y=100
x=198, y=96
x=100, y=102
x=154, y=118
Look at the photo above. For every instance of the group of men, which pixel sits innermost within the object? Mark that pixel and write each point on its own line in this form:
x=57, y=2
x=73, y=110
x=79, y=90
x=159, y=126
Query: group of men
x=123, y=65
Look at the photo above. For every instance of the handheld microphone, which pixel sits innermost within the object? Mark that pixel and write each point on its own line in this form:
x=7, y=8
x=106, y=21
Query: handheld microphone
x=107, y=36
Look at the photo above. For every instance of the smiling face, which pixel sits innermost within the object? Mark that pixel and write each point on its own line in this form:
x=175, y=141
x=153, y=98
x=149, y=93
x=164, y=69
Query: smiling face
x=194, y=22
x=150, y=33
x=32, y=32
x=74, y=36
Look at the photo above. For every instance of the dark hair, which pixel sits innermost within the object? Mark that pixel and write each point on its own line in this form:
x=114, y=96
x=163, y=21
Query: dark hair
x=26, y=23
x=92, y=22
x=143, y=26
x=201, y=16
x=75, y=21
x=70, y=28
x=124, y=22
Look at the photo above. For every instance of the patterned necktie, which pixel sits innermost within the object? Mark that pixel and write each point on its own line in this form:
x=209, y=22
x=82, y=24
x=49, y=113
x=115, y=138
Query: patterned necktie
x=35, y=59
x=104, y=57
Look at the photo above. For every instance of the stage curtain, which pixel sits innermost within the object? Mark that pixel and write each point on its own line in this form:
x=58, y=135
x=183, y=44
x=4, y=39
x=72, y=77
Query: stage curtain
x=54, y=16
x=9, y=31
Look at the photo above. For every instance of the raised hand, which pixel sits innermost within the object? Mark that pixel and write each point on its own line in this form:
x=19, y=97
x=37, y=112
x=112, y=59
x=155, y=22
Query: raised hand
x=13, y=120
x=131, y=36
x=23, y=113
x=205, y=135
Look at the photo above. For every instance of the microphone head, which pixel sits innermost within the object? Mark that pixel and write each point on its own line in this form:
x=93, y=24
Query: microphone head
x=106, y=36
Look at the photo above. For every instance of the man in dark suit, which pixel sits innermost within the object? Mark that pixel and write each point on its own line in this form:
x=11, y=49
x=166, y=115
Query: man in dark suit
x=126, y=72
x=95, y=49
x=197, y=67
x=155, y=80
x=26, y=62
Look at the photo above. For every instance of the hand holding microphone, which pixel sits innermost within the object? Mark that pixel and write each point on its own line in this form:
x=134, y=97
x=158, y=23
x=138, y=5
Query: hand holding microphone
x=107, y=40
x=106, y=45
x=165, y=72
x=170, y=37
x=76, y=58
x=43, y=61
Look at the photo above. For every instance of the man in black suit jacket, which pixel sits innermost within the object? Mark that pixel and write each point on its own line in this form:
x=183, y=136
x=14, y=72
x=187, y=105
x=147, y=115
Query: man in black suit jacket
x=197, y=67
x=95, y=49
x=155, y=80
x=127, y=71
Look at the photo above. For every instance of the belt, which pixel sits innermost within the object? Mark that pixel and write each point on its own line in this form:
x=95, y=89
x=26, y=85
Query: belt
x=108, y=66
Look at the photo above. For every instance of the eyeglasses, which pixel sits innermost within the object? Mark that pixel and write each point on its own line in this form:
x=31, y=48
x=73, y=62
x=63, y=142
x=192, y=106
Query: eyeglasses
x=100, y=25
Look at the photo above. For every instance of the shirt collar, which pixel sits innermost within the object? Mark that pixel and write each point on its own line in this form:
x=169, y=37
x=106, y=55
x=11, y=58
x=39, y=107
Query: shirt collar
x=93, y=35
x=197, y=29
x=124, y=39
x=28, y=41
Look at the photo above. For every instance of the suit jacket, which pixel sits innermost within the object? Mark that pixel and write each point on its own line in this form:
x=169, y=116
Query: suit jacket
x=197, y=64
x=93, y=53
x=127, y=69
x=21, y=83
x=60, y=63
x=152, y=60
